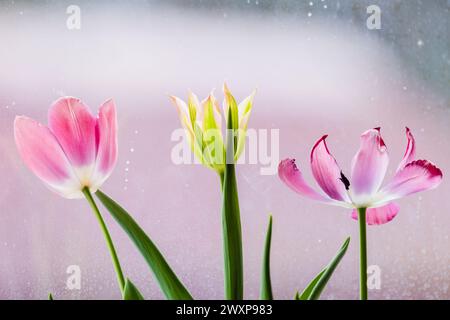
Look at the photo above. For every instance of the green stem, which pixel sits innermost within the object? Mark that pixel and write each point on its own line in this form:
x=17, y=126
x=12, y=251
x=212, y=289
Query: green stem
x=362, y=254
x=232, y=237
x=112, y=250
x=231, y=224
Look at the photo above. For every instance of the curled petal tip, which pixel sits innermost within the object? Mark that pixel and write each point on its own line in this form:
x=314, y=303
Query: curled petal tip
x=322, y=139
x=108, y=101
x=286, y=166
x=428, y=166
x=292, y=177
x=226, y=89
x=108, y=105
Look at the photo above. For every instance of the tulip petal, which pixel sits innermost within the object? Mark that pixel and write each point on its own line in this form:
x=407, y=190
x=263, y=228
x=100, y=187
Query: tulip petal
x=379, y=215
x=416, y=176
x=210, y=107
x=327, y=172
x=229, y=103
x=193, y=134
x=195, y=112
x=293, y=178
x=410, y=152
x=106, y=144
x=214, y=150
x=244, y=108
x=369, y=165
x=74, y=126
x=42, y=153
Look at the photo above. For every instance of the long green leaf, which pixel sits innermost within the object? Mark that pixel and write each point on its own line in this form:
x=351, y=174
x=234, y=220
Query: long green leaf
x=328, y=272
x=168, y=281
x=50, y=296
x=130, y=292
x=231, y=223
x=266, y=284
x=307, y=292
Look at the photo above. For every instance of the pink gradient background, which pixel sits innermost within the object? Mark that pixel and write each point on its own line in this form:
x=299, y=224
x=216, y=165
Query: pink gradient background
x=314, y=76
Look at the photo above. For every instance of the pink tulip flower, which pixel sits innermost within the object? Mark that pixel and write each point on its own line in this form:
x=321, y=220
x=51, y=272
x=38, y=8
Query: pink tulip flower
x=364, y=188
x=76, y=150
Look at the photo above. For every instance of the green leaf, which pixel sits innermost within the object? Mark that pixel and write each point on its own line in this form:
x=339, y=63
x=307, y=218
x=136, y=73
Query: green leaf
x=266, y=284
x=50, y=297
x=168, y=281
x=297, y=296
x=130, y=292
x=328, y=272
x=231, y=222
x=307, y=292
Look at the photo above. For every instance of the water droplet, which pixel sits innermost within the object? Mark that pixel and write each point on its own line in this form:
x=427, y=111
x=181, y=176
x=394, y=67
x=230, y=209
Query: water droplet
x=325, y=6
x=420, y=43
x=127, y=169
x=311, y=3
x=127, y=162
x=309, y=14
x=131, y=149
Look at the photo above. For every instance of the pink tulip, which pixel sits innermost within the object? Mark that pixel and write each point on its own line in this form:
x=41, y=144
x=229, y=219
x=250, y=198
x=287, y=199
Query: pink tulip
x=364, y=188
x=75, y=151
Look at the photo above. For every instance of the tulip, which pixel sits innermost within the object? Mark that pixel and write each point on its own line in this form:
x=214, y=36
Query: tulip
x=203, y=126
x=202, y=122
x=370, y=202
x=76, y=150
x=74, y=154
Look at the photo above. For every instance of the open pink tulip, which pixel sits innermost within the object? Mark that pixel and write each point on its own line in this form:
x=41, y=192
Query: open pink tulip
x=76, y=150
x=364, y=188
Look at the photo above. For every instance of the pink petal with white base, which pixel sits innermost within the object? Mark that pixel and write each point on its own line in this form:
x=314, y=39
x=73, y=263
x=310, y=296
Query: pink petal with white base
x=369, y=164
x=410, y=152
x=416, y=176
x=292, y=177
x=379, y=215
x=106, y=143
x=327, y=172
x=42, y=153
x=74, y=126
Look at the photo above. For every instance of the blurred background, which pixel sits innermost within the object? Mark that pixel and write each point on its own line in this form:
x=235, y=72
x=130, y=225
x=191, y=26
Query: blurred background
x=318, y=69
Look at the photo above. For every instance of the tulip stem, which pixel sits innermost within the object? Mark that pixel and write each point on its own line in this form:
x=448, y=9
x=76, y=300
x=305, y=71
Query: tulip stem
x=362, y=254
x=112, y=250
